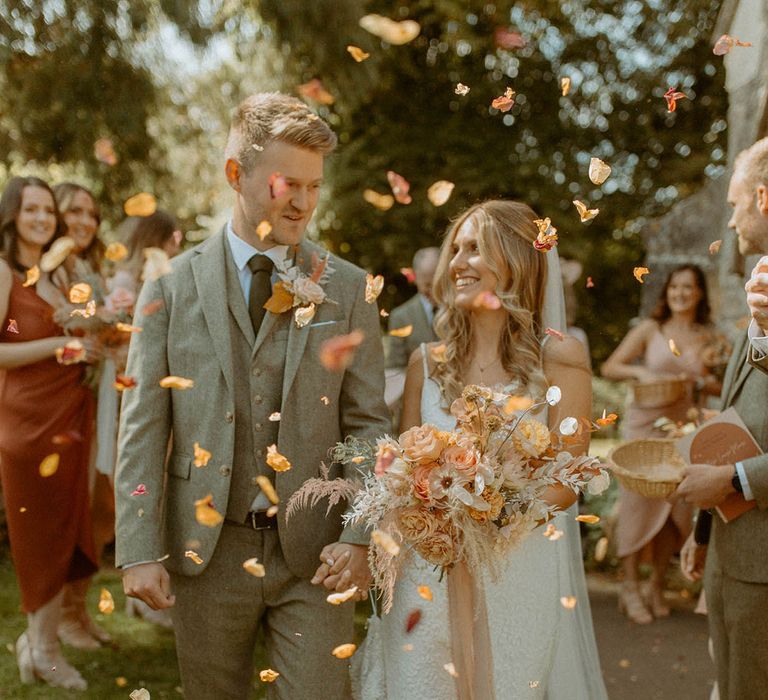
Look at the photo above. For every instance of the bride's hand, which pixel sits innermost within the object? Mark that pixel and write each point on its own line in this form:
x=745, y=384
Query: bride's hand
x=343, y=566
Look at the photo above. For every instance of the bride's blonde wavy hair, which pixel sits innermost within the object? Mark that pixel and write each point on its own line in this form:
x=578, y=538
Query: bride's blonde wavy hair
x=505, y=235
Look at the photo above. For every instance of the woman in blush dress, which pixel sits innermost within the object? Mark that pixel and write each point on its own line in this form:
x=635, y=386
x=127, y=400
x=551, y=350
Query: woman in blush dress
x=46, y=416
x=538, y=648
x=669, y=345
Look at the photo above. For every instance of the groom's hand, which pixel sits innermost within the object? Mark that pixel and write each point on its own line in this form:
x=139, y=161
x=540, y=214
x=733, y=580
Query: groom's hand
x=151, y=583
x=343, y=566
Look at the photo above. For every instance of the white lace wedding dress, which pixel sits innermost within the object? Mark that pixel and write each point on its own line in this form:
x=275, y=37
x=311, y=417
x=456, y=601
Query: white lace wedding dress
x=540, y=649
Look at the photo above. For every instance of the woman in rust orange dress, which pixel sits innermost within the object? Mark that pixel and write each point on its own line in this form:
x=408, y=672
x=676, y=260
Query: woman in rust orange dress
x=45, y=420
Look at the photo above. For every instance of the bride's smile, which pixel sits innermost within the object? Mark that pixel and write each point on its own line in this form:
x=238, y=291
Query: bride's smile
x=470, y=273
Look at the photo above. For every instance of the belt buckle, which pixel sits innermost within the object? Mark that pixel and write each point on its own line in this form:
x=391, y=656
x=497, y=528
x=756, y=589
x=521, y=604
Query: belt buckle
x=252, y=521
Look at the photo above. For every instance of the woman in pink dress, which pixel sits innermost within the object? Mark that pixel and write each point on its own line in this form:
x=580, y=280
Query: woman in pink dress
x=669, y=345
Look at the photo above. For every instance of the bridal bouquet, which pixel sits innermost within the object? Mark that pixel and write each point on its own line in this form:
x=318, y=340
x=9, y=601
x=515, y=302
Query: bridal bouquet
x=467, y=495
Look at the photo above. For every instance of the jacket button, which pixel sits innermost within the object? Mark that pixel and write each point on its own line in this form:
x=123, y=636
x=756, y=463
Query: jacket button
x=229, y=417
x=257, y=427
x=224, y=470
x=258, y=399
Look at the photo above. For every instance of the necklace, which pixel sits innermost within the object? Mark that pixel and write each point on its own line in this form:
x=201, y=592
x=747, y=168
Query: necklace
x=482, y=369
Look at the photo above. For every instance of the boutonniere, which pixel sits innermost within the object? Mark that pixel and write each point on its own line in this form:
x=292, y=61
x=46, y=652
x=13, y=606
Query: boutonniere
x=300, y=291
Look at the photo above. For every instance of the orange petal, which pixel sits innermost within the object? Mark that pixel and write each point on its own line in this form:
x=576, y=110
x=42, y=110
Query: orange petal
x=141, y=204
x=49, y=465
x=342, y=597
x=402, y=332
x=440, y=192
x=568, y=602
x=124, y=382
x=315, y=91
x=373, y=287
x=263, y=230
x=344, y=651
x=72, y=353
x=202, y=456
x=385, y=541
x=337, y=353
x=281, y=299
x=205, y=513
x=673, y=348
x=254, y=567
x=400, y=187
x=584, y=213
x=565, y=85
x=639, y=272
x=425, y=592
x=589, y=519
x=173, y=382
x=269, y=491
x=115, y=252
x=191, y=554
x=105, y=152
x=714, y=247
x=357, y=53
x=380, y=201
x=57, y=253
x=127, y=327
x=395, y=33
x=106, y=602
x=277, y=461
x=32, y=275
x=80, y=293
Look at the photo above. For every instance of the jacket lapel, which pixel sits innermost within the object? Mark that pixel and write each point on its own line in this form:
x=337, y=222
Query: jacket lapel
x=741, y=370
x=297, y=337
x=209, y=271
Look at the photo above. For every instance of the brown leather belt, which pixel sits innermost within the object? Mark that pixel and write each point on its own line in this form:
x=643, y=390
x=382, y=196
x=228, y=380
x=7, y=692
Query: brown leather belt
x=256, y=520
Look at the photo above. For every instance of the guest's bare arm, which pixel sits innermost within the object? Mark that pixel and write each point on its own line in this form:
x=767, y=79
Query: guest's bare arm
x=621, y=364
x=414, y=381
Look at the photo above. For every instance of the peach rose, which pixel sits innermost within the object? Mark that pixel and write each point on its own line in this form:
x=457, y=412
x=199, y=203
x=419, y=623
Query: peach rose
x=416, y=523
x=436, y=549
x=496, y=501
x=308, y=291
x=422, y=444
x=463, y=460
x=421, y=476
x=531, y=437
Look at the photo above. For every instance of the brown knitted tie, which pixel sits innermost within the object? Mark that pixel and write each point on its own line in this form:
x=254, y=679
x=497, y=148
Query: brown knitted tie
x=261, y=288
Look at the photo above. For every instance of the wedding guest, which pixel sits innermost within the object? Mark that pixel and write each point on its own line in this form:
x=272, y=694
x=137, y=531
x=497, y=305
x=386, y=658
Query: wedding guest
x=80, y=214
x=45, y=433
x=736, y=575
x=667, y=346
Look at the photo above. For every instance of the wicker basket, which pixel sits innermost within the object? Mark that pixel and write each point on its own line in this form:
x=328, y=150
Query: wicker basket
x=651, y=467
x=659, y=393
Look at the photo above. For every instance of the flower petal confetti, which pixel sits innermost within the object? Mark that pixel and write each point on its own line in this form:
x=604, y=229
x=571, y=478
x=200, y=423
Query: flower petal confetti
x=315, y=90
x=269, y=491
x=517, y=403
x=174, y=382
x=565, y=85
x=590, y=283
x=67, y=438
x=554, y=333
x=409, y=274
x=156, y=264
x=382, y=202
x=140, y=694
x=413, y=619
x=274, y=417
x=127, y=327
x=57, y=253
x=278, y=185
x=106, y=602
x=152, y=307
x=72, y=353
x=385, y=541
x=395, y=33
x=357, y=53
x=254, y=567
x=344, y=651
x=508, y=39
x=337, y=353
x=725, y=43
x=451, y=669
x=80, y=293
x=461, y=89
x=568, y=601
x=714, y=247
x=193, y=555
x=589, y=519
x=31, y=276
x=49, y=465
x=373, y=287
x=402, y=332
x=304, y=314
x=141, y=204
x=585, y=214
x=552, y=533
x=673, y=348
x=639, y=272
x=206, y=514
x=672, y=96
x=601, y=549
x=440, y=192
x=342, y=597
x=547, y=236
x=115, y=252
x=425, y=592
x=140, y=490
x=598, y=171
x=12, y=327
x=504, y=102
x=400, y=187
x=608, y=419
x=202, y=456
x=104, y=152
x=277, y=461
x=87, y=312
x=263, y=230
x=268, y=675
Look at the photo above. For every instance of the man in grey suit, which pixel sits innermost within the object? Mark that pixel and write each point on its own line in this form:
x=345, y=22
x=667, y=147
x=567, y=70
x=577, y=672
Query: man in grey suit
x=259, y=392
x=736, y=576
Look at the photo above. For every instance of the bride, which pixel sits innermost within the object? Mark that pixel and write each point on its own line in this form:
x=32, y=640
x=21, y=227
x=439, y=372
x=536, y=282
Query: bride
x=538, y=646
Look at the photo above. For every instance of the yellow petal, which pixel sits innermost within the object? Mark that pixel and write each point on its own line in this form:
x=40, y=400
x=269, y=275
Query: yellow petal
x=343, y=597
x=395, y=33
x=106, y=602
x=598, y=171
x=191, y=554
x=174, y=382
x=589, y=519
x=268, y=675
x=202, y=456
x=254, y=568
x=33, y=274
x=357, y=53
x=269, y=491
x=57, y=253
x=127, y=327
x=673, y=348
x=141, y=204
x=565, y=85
x=121, y=681
x=344, y=651
x=383, y=202
x=440, y=192
x=451, y=669
x=49, y=465
x=115, y=252
x=373, y=287
x=568, y=602
x=263, y=230
x=277, y=461
x=206, y=514
x=403, y=332
x=638, y=272
x=80, y=293
x=584, y=213
x=385, y=541
x=425, y=592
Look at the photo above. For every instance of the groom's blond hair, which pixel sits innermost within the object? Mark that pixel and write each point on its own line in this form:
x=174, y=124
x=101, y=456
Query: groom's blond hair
x=273, y=116
x=752, y=164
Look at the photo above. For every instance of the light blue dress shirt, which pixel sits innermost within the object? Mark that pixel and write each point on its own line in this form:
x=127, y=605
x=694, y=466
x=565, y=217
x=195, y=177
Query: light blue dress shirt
x=242, y=252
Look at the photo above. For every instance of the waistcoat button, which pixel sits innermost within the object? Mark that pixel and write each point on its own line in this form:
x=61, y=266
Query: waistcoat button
x=224, y=470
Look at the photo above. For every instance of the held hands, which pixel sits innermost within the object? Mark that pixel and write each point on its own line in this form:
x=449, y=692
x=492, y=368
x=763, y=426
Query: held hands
x=757, y=294
x=705, y=485
x=343, y=566
x=151, y=583
x=692, y=559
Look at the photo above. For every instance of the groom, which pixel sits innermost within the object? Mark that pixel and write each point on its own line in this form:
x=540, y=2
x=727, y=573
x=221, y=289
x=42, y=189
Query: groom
x=258, y=387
